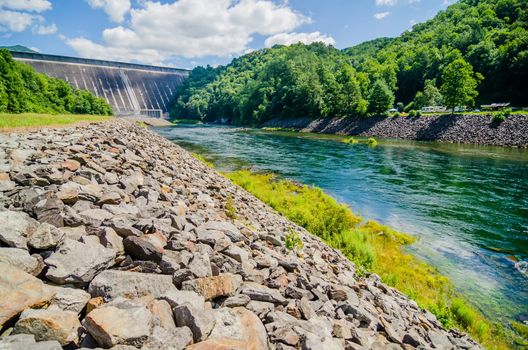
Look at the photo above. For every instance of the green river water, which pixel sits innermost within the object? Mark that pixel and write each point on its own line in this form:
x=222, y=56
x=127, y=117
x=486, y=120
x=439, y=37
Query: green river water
x=468, y=205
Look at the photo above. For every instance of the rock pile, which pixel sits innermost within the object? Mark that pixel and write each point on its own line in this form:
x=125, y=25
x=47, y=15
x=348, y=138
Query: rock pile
x=112, y=237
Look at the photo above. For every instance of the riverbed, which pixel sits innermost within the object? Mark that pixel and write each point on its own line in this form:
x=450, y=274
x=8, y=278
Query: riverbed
x=468, y=205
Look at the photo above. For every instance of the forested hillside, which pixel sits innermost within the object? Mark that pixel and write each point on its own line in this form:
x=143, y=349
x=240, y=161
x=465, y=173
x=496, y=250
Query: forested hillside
x=22, y=89
x=474, y=52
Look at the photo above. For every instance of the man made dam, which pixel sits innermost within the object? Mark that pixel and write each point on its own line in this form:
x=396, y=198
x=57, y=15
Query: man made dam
x=130, y=89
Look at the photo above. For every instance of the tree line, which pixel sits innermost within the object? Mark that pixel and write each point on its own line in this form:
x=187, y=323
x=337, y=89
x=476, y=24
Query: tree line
x=23, y=90
x=473, y=52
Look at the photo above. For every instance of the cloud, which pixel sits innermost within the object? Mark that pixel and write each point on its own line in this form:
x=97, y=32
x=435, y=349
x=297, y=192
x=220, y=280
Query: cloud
x=386, y=2
x=13, y=21
x=381, y=15
x=293, y=38
x=26, y=5
x=115, y=9
x=191, y=28
x=45, y=30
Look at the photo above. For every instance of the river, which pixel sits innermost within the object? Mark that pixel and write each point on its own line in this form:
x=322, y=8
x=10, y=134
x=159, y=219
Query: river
x=468, y=205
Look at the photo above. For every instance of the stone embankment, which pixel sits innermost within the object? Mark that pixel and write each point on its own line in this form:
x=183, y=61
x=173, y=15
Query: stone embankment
x=468, y=128
x=113, y=237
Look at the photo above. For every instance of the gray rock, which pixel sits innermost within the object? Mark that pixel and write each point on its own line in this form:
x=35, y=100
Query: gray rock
x=78, y=263
x=45, y=237
x=95, y=217
x=237, y=301
x=20, y=258
x=123, y=225
x=16, y=228
x=262, y=293
x=142, y=249
x=112, y=284
x=49, y=211
x=69, y=299
x=227, y=228
x=200, y=265
x=179, y=297
x=163, y=339
x=110, y=239
x=172, y=261
x=119, y=323
x=201, y=322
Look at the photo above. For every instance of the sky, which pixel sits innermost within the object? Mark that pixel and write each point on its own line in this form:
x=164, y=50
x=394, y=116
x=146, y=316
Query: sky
x=187, y=33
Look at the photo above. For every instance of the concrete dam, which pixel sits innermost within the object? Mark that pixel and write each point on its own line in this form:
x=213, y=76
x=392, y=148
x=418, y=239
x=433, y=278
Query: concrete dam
x=131, y=89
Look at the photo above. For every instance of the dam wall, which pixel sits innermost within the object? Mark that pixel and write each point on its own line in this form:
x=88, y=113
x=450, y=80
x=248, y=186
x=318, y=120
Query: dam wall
x=131, y=89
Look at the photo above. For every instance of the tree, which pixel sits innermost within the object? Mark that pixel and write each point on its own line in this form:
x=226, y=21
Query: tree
x=460, y=84
x=381, y=98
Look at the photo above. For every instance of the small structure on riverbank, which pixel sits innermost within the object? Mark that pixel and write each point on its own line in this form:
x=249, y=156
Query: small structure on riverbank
x=495, y=106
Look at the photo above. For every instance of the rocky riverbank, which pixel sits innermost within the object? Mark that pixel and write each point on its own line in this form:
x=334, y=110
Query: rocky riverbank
x=113, y=237
x=467, y=128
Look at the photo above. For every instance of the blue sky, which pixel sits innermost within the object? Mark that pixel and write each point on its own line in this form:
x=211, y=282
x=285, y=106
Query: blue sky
x=186, y=33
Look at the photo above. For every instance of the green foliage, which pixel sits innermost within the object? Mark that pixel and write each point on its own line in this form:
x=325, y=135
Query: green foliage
x=372, y=142
x=381, y=98
x=282, y=82
x=521, y=329
x=498, y=118
x=230, y=209
x=492, y=35
x=293, y=241
x=459, y=86
x=415, y=113
x=23, y=90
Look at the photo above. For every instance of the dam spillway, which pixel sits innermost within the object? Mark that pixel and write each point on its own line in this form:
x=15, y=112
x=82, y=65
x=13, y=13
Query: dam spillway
x=131, y=89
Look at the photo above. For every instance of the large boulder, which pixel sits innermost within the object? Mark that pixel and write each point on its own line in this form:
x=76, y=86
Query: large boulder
x=27, y=342
x=16, y=227
x=200, y=321
x=19, y=291
x=20, y=258
x=214, y=286
x=112, y=284
x=78, y=262
x=262, y=293
x=69, y=299
x=235, y=329
x=46, y=236
x=124, y=322
x=49, y=324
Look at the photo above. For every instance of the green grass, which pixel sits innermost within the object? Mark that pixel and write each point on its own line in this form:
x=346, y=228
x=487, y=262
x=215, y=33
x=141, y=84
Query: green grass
x=375, y=248
x=8, y=121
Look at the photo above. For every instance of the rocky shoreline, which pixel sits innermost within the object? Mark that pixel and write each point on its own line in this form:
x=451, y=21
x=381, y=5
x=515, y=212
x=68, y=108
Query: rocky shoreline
x=460, y=128
x=113, y=237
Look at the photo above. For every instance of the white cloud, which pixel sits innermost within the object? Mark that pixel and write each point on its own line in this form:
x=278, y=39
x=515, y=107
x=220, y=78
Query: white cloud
x=115, y=9
x=381, y=15
x=45, y=30
x=293, y=38
x=191, y=28
x=26, y=5
x=87, y=48
x=13, y=21
x=386, y=2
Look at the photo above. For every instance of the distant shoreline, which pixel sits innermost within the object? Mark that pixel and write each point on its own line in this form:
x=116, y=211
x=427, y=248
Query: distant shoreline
x=459, y=128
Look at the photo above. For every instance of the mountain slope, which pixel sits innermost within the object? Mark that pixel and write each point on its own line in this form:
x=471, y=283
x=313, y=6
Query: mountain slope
x=320, y=81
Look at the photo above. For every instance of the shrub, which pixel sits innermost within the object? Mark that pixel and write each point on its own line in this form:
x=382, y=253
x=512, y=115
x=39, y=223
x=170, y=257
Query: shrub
x=498, y=118
x=507, y=112
x=293, y=241
x=230, y=209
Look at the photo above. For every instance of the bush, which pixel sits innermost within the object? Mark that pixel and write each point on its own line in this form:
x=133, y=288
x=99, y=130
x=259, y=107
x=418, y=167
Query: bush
x=507, y=112
x=230, y=209
x=415, y=113
x=293, y=241
x=498, y=118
